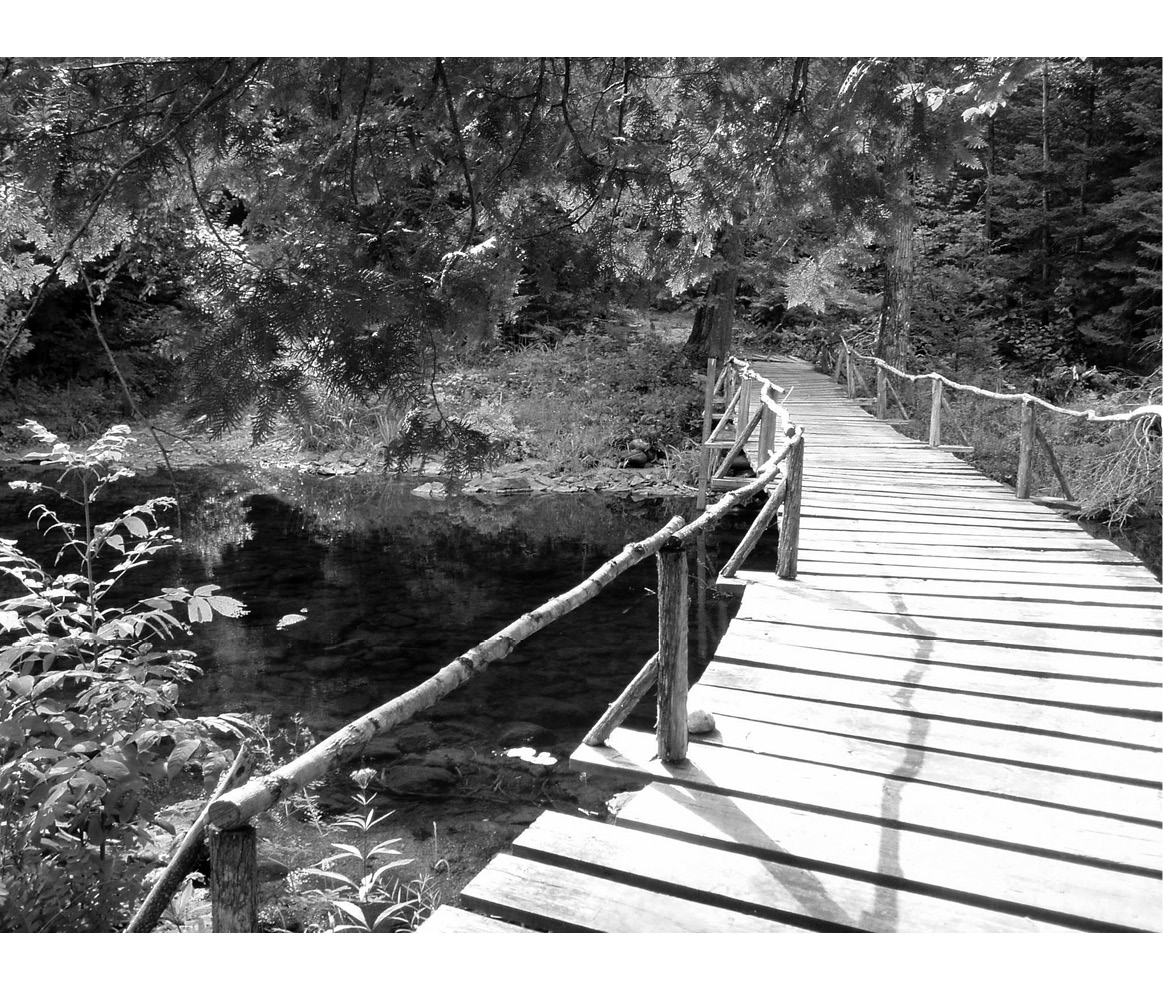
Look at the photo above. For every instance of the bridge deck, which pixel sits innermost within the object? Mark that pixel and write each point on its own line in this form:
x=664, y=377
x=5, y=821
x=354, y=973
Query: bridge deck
x=949, y=722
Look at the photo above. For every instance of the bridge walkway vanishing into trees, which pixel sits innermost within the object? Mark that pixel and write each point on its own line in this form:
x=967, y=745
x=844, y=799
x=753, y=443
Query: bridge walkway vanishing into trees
x=949, y=721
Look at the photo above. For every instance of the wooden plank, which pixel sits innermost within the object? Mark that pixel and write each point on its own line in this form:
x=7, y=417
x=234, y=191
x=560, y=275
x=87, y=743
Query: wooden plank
x=1004, y=658
x=767, y=607
x=555, y=899
x=1131, y=802
x=918, y=701
x=989, y=491
x=767, y=887
x=814, y=508
x=989, y=819
x=1084, y=573
x=1039, y=688
x=447, y=919
x=872, y=497
x=836, y=531
x=876, y=550
x=778, y=598
x=1025, y=749
x=976, y=585
x=910, y=861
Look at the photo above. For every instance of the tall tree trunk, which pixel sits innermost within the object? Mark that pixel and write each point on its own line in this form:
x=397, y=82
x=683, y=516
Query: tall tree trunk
x=1045, y=195
x=989, y=164
x=711, y=334
x=1087, y=139
x=896, y=312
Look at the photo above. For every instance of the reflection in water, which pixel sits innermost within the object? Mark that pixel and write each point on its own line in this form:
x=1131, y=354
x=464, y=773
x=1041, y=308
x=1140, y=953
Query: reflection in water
x=394, y=587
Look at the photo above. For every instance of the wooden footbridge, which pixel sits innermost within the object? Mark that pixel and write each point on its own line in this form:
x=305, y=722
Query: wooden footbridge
x=941, y=712
x=948, y=722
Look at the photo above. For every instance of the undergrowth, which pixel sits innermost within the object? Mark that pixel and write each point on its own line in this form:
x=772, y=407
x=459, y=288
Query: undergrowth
x=573, y=404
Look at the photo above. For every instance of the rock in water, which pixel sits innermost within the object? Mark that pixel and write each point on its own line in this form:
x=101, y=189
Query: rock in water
x=699, y=722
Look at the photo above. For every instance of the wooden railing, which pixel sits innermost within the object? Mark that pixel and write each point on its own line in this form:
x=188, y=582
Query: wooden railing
x=233, y=839
x=844, y=363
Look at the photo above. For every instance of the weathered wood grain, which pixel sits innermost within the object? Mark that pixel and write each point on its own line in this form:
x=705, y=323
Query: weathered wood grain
x=909, y=861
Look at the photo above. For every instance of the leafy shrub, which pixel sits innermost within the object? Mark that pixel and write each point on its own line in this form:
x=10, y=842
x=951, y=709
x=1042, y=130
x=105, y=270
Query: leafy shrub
x=88, y=692
x=362, y=892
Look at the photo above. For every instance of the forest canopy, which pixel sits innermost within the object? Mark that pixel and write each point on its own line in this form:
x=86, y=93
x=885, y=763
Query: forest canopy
x=248, y=231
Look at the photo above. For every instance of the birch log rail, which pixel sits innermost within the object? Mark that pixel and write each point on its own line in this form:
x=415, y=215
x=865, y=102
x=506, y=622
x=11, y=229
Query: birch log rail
x=232, y=842
x=948, y=722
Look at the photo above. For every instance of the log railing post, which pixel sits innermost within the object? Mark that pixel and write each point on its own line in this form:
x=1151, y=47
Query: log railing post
x=1026, y=449
x=881, y=392
x=743, y=410
x=935, y=413
x=766, y=433
x=704, y=450
x=672, y=654
x=234, y=879
x=837, y=365
x=787, y=564
x=850, y=377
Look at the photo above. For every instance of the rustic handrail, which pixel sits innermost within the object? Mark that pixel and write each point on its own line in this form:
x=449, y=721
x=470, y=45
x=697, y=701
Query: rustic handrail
x=1030, y=434
x=232, y=811
x=1090, y=415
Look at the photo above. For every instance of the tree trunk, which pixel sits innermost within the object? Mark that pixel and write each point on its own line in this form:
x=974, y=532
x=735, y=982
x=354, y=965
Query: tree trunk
x=896, y=313
x=1045, y=195
x=892, y=343
x=989, y=164
x=711, y=333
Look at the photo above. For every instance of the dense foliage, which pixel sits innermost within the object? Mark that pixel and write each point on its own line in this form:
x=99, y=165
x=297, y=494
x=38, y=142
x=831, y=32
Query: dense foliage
x=89, y=733
x=266, y=234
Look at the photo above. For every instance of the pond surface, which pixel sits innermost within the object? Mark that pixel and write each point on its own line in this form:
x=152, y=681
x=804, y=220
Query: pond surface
x=393, y=587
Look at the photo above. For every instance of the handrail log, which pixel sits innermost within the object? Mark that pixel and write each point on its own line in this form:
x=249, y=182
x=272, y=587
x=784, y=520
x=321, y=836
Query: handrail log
x=624, y=704
x=1090, y=415
x=758, y=528
x=711, y=515
x=1054, y=466
x=742, y=436
x=238, y=806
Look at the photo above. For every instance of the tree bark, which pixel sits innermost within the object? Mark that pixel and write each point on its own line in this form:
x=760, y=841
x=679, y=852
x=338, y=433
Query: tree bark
x=896, y=313
x=711, y=334
x=1045, y=194
x=234, y=879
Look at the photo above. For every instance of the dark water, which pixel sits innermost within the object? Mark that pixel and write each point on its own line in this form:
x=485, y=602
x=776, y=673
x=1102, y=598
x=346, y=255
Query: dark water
x=394, y=587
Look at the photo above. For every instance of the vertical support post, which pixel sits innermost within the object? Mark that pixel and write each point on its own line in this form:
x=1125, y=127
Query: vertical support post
x=672, y=653
x=851, y=378
x=935, y=413
x=702, y=580
x=881, y=393
x=1026, y=449
x=234, y=879
x=743, y=409
x=704, y=450
x=766, y=432
x=787, y=564
x=837, y=365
